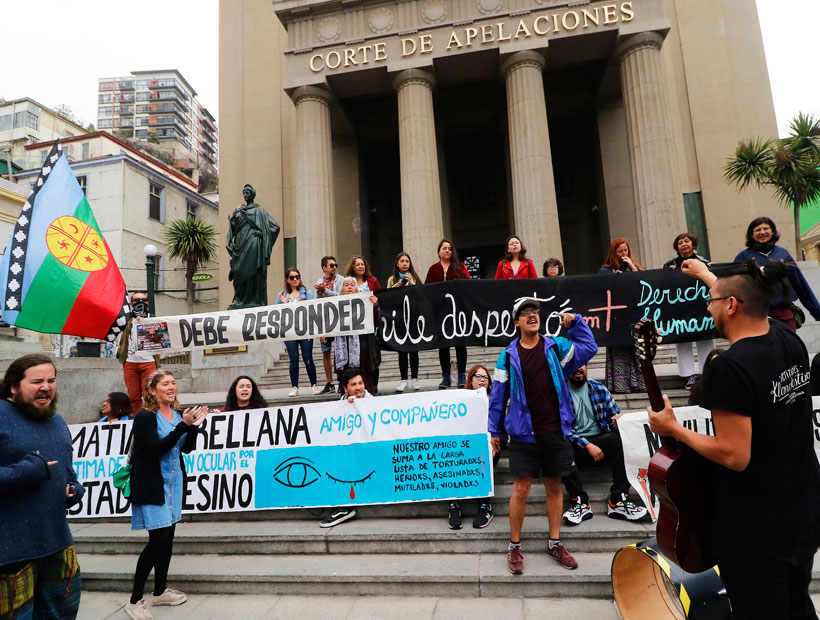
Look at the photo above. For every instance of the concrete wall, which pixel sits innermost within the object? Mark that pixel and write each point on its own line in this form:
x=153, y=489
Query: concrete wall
x=251, y=122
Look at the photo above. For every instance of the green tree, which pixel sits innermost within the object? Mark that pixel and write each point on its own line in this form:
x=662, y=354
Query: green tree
x=790, y=166
x=192, y=241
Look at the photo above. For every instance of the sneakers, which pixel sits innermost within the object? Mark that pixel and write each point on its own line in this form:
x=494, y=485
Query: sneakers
x=483, y=516
x=316, y=389
x=169, y=597
x=454, y=522
x=624, y=510
x=577, y=512
x=294, y=391
x=337, y=516
x=462, y=380
x=560, y=554
x=515, y=561
x=445, y=382
x=328, y=388
x=137, y=611
x=416, y=385
x=402, y=386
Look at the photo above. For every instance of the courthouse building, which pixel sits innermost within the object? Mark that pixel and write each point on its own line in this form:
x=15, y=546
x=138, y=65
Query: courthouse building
x=373, y=126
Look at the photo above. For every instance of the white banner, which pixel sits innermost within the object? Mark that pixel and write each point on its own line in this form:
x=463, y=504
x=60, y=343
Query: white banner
x=343, y=315
x=640, y=443
x=413, y=447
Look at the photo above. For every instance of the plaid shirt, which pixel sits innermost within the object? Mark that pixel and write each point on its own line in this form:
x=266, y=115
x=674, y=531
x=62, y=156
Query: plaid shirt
x=603, y=407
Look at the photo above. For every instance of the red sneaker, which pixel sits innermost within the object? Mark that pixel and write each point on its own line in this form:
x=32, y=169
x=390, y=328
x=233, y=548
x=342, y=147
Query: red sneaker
x=560, y=554
x=515, y=561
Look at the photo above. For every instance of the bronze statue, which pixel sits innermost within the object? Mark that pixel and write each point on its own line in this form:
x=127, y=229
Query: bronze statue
x=251, y=235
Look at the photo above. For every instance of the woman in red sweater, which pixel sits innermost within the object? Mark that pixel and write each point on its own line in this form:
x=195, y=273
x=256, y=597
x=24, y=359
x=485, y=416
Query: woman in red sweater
x=449, y=267
x=515, y=265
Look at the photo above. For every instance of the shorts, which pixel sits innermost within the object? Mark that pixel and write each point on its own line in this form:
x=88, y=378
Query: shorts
x=551, y=456
x=326, y=346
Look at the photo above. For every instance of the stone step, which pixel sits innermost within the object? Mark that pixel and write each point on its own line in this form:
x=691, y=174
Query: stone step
x=108, y=605
x=420, y=574
x=360, y=536
x=445, y=574
x=598, y=492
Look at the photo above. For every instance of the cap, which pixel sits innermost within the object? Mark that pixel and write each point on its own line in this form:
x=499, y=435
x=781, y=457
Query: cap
x=524, y=302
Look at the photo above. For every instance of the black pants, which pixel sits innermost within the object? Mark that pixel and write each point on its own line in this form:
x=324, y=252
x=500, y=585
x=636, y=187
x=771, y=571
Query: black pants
x=610, y=444
x=414, y=364
x=156, y=555
x=461, y=360
x=767, y=574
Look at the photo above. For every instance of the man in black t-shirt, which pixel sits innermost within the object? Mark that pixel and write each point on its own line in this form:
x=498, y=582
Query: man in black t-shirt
x=766, y=525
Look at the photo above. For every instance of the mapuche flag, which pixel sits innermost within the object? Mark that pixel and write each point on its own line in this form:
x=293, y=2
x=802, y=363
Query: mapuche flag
x=58, y=275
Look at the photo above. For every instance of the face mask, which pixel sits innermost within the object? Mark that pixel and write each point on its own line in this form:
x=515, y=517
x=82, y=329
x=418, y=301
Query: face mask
x=140, y=309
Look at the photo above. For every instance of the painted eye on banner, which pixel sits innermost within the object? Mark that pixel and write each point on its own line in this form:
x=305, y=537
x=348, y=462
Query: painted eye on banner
x=352, y=483
x=296, y=473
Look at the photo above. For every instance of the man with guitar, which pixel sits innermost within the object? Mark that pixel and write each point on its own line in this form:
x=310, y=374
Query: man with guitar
x=531, y=375
x=758, y=392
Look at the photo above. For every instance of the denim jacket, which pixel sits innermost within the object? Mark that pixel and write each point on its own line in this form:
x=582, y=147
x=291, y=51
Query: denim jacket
x=564, y=356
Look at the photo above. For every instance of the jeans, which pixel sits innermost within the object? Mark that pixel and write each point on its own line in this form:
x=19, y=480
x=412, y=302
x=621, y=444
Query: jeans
x=461, y=360
x=610, y=444
x=135, y=376
x=293, y=347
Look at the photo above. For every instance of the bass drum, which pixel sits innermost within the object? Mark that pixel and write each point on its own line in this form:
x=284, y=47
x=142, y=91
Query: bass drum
x=648, y=586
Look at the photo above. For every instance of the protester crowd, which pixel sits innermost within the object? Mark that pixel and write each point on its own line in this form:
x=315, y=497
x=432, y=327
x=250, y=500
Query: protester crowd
x=543, y=408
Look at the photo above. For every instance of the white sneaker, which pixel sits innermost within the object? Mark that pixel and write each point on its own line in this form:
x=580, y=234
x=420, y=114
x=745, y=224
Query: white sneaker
x=402, y=386
x=169, y=597
x=316, y=389
x=294, y=391
x=416, y=385
x=137, y=611
x=577, y=512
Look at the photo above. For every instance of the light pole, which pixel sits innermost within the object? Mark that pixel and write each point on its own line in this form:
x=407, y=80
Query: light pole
x=150, y=252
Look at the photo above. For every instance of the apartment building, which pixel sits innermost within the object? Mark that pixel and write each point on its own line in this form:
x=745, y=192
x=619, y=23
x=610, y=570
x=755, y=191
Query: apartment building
x=25, y=121
x=160, y=106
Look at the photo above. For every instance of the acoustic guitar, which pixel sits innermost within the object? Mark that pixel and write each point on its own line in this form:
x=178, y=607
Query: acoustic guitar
x=679, y=476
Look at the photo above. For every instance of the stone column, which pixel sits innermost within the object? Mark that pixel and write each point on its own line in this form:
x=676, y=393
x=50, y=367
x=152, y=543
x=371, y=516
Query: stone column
x=421, y=221
x=313, y=180
x=533, y=186
x=656, y=184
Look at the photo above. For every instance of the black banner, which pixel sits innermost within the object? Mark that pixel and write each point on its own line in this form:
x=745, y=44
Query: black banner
x=478, y=312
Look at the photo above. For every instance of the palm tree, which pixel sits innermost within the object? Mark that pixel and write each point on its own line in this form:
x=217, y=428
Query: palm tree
x=790, y=166
x=192, y=241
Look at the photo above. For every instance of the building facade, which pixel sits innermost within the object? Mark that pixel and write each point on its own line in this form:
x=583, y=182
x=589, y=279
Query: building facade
x=568, y=123
x=24, y=122
x=134, y=197
x=159, y=105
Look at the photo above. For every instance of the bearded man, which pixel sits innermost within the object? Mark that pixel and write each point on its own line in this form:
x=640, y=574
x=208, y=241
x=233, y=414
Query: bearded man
x=37, y=485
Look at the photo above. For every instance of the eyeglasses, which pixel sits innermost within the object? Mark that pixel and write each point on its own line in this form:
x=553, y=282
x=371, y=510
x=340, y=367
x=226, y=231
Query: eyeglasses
x=332, y=265
x=481, y=377
x=710, y=299
x=763, y=229
x=527, y=311
x=294, y=277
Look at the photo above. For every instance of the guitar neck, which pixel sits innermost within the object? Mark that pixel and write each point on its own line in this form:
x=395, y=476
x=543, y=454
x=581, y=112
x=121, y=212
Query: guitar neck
x=653, y=388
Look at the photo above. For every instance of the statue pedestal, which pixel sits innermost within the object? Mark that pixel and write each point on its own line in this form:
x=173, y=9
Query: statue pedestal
x=213, y=370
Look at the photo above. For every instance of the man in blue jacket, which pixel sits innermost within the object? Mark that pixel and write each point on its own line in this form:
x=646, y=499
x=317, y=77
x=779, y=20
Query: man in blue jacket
x=37, y=484
x=531, y=375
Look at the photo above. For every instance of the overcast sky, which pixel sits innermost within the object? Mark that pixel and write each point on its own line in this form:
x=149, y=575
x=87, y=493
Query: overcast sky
x=56, y=50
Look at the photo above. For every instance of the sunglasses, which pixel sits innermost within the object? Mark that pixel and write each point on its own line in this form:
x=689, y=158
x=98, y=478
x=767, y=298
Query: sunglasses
x=294, y=277
x=332, y=265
